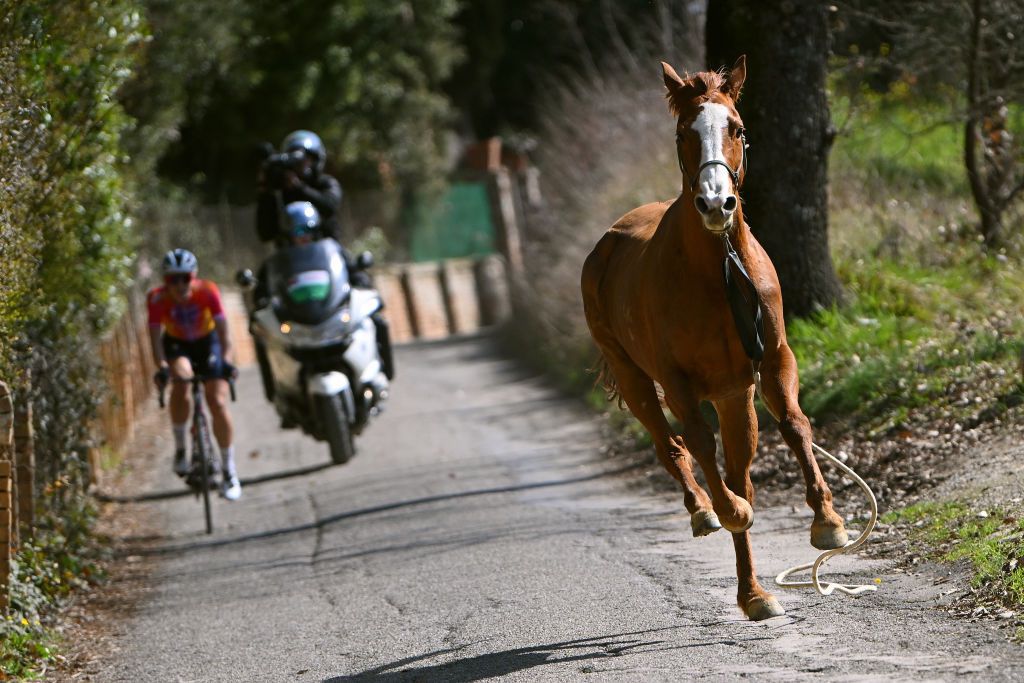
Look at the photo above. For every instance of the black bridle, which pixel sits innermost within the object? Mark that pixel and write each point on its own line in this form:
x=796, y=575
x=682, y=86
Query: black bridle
x=733, y=173
x=741, y=293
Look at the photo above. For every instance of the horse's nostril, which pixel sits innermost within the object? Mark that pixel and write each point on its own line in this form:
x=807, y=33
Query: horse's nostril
x=730, y=203
x=701, y=204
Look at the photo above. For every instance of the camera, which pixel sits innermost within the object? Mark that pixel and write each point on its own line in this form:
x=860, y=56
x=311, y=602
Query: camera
x=275, y=166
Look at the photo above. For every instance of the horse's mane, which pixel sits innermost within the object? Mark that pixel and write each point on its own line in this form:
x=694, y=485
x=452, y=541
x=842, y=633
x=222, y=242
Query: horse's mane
x=705, y=82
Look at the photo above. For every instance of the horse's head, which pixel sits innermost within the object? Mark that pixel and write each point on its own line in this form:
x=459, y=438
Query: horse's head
x=710, y=140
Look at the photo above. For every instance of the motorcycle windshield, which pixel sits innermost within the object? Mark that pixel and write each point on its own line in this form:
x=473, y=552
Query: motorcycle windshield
x=310, y=281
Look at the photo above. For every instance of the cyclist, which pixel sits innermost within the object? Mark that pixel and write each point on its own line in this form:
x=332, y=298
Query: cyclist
x=189, y=334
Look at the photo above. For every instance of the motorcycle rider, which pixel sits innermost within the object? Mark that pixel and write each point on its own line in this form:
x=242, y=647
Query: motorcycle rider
x=189, y=335
x=305, y=226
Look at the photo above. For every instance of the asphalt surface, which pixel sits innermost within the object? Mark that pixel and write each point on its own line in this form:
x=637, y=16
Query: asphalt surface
x=480, y=534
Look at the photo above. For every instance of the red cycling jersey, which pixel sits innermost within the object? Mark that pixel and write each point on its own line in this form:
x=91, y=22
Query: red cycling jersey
x=191, y=319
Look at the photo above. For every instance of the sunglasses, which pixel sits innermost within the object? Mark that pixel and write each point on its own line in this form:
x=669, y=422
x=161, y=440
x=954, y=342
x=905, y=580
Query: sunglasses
x=178, y=279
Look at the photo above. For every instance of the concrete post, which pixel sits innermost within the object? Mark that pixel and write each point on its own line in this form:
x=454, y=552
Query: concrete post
x=460, y=299
x=396, y=304
x=6, y=490
x=426, y=299
x=509, y=240
x=25, y=468
x=493, y=290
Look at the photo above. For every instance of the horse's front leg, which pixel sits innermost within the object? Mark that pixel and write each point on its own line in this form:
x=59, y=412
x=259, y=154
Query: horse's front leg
x=734, y=512
x=637, y=390
x=781, y=387
x=739, y=440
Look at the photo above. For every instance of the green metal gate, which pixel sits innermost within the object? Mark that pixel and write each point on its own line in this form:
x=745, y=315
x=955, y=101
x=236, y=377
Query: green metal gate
x=456, y=225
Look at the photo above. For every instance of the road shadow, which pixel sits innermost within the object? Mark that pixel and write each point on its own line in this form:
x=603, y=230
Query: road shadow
x=496, y=664
x=387, y=507
x=184, y=491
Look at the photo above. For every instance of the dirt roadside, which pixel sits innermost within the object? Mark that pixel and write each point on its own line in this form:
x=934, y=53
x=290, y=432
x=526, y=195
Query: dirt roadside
x=92, y=621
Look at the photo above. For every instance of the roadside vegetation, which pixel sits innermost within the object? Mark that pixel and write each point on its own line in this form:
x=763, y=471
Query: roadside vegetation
x=65, y=238
x=989, y=543
x=932, y=330
x=61, y=559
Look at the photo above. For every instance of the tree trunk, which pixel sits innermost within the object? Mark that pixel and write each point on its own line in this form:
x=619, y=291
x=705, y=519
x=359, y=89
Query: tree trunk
x=980, y=159
x=785, y=111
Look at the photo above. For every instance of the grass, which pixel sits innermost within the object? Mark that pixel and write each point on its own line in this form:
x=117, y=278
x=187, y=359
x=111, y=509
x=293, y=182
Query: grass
x=991, y=542
x=931, y=327
x=912, y=339
x=899, y=139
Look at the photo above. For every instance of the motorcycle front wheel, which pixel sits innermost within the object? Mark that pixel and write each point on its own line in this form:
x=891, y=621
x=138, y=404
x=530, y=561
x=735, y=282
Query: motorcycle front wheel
x=336, y=429
x=266, y=374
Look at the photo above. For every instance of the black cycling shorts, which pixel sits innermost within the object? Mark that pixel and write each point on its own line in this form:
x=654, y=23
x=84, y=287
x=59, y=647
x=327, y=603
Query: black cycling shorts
x=205, y=353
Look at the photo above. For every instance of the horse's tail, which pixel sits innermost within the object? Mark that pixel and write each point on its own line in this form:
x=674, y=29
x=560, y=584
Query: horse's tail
x=606, y=379
x=608, y=383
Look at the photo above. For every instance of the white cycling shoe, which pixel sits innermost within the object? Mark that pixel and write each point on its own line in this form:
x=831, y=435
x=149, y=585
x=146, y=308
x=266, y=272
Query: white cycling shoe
x=230, y=487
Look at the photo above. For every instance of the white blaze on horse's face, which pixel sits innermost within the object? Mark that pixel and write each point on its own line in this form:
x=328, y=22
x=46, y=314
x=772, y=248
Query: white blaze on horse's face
x=714, y=195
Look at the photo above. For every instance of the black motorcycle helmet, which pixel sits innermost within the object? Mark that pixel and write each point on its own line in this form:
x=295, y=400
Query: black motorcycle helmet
x=310, y=143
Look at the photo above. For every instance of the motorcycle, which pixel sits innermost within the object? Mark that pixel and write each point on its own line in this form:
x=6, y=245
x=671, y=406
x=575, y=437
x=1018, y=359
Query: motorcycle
x=316, y=343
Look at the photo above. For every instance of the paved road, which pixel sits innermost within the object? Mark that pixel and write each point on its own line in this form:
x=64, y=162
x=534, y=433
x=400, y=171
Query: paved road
x=479, y=534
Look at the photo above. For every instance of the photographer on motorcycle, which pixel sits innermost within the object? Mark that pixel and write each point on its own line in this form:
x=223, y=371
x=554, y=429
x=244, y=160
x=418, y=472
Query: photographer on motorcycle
x=296, y=174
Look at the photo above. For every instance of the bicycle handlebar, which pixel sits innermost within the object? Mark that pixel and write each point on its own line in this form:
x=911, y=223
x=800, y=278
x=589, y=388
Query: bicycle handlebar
x=195, y=380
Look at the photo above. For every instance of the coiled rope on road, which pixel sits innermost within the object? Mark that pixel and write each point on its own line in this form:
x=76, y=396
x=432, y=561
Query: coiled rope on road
x=827, y=588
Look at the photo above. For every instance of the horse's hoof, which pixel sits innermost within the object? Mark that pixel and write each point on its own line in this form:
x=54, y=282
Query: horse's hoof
x=829, y=537
x=704, y=522
x=759, y=609
x=744, y=517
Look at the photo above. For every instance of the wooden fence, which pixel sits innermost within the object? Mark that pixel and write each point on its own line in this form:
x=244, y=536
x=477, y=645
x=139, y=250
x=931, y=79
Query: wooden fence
x=17, y=471
x=128, y=368
x=438, y=299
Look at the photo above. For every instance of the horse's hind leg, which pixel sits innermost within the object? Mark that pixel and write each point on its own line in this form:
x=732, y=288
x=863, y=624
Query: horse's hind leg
x=781, y=387
x=735, y=513
x=637, y=390
x=739, y=440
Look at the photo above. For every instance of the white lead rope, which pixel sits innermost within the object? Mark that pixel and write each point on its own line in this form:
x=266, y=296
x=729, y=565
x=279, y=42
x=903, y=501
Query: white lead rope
x=828, y=588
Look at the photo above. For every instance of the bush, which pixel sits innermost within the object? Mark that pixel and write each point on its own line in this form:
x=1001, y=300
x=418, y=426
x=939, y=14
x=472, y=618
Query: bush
x=66, y=237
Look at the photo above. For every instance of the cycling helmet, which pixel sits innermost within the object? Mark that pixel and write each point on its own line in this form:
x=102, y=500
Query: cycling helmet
x=303, y=218
x=308, y=142
x=180, y=261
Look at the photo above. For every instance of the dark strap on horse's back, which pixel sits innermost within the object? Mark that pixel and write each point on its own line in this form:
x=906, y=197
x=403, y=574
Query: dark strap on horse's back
x=745, y=305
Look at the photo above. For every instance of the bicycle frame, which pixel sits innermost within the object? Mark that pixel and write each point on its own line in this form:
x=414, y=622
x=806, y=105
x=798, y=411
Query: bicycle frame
x=202, y=444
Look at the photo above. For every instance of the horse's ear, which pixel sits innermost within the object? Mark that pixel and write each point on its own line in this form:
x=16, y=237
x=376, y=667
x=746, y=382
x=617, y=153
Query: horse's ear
x=680, y=92
x=734, y=83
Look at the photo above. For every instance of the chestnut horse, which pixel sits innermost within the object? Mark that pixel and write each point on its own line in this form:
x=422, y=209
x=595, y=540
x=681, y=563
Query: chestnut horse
x=657, y=306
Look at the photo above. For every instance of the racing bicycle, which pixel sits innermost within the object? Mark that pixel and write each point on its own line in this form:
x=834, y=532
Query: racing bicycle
x=202, y=476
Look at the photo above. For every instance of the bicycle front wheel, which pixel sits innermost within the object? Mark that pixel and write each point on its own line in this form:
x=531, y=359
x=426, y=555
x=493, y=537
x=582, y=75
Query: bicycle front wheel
x=205, y=451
